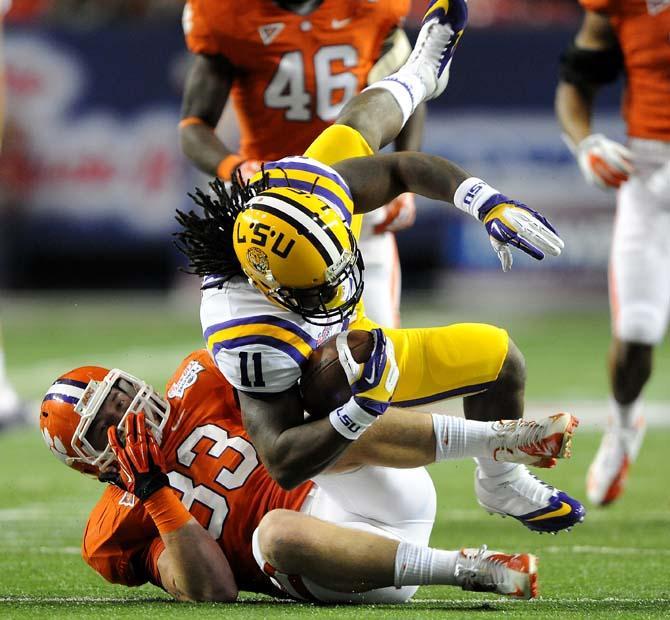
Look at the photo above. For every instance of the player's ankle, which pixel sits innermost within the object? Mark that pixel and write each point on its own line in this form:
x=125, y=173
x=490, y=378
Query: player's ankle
x=458, y=438
x=488, y=468
x=406, y=88
x=420, y=565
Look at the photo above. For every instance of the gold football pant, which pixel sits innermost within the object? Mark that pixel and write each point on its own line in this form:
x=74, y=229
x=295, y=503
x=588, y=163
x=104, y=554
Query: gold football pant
x=444, y=362
x=336, y=143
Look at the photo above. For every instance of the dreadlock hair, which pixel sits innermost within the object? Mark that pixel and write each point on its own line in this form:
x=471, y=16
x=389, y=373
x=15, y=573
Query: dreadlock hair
x=207, y=239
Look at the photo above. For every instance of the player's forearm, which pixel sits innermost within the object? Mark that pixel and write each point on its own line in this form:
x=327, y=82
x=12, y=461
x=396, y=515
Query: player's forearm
x=194, y=568
x=206, y=91
x=430, y=176
x=375, y=181
x=302, y=452
x=292, y=450
x=201, y=145
x=401, y=438
x=574, y=109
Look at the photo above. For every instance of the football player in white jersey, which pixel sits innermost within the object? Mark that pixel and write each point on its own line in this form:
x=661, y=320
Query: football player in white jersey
x=284, y=94
x=283, y=272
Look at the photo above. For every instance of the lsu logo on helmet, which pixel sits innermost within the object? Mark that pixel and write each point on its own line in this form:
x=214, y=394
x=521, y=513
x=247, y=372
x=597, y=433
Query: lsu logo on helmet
x=300, y=254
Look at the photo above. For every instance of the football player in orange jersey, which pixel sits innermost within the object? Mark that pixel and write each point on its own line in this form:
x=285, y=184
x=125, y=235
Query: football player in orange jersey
x=193, y=510
x=289, y=67
x=632, y=38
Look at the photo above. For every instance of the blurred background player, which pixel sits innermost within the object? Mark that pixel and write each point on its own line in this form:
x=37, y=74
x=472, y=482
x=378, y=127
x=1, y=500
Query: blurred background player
x=630, y=37
x=289, y=67
x=235, y=528
x=12, y=410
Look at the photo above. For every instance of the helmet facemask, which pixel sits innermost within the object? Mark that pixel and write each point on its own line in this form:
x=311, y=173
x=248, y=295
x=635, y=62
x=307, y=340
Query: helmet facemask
x=333, y=301
x=145, y=400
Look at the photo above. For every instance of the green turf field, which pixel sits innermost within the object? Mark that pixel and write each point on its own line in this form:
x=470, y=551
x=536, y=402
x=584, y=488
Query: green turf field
x=614, y=565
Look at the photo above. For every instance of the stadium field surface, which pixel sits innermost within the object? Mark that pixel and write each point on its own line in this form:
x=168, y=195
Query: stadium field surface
x=614, y=565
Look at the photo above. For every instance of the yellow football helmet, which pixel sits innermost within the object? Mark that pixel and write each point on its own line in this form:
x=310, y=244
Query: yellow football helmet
x=300, y=254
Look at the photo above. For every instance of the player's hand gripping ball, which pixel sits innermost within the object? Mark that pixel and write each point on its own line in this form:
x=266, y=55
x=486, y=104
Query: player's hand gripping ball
x=324, y=384
x=372, y=382
x=140, y=461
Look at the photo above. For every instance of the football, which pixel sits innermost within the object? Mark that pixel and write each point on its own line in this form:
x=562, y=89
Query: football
x=324, y=385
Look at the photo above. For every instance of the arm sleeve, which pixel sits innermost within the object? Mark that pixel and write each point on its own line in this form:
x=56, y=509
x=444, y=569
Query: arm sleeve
x=400, y=9
x=599, y=6
x=197, y=23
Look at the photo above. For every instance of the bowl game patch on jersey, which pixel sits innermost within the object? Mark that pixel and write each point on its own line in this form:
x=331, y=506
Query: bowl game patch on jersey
x=186, y=380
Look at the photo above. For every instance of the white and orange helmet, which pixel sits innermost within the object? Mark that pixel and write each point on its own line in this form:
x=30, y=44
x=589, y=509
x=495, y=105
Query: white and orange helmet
x=71, y=404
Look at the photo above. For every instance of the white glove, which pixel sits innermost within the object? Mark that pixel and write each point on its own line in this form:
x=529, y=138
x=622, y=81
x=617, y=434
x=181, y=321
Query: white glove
x=399, y=214
x=508, y=222
x=603, y=162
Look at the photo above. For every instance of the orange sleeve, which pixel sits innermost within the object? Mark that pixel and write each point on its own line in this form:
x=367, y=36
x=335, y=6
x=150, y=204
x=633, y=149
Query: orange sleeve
x=400, y=10
x=198, y=21
x=154, y=551
x=120, y=541
x=599, y=6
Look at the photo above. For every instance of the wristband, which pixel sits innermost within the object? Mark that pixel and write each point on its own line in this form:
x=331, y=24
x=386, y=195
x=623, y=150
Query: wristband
x=167, y=512
x=192, y=120
x=226, y=166
x=472, y=194
x=351, y=420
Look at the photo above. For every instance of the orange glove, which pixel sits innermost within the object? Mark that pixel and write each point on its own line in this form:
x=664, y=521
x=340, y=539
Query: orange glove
x=141, y=463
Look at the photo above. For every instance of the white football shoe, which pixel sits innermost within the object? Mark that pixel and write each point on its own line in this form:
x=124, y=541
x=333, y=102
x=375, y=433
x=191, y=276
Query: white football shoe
x=520, y=494
x=440, y=31
x=480, y=570
x=534, y=442
x=608, y=473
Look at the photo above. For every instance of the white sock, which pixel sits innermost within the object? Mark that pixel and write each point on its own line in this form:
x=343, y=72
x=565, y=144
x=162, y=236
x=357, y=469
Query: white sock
x=457, y=438
x=490, y=468
x=625, y=415
x=406, y=88
x=416, y=565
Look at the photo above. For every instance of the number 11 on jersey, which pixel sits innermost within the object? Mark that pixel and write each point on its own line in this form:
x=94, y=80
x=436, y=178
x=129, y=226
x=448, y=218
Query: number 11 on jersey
x=257, y=370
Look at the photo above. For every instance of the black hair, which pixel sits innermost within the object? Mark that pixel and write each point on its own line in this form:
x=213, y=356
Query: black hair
x=207, y=239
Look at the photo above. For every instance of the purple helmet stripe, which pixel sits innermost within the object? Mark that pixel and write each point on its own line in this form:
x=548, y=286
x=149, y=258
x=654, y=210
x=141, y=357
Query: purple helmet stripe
x=73, y=382
x=64, y=398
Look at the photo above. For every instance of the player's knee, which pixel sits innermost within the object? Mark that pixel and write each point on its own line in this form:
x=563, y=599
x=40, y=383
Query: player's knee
x=278, y=536
x=411, y=514
x=513, y=371
x=640, y=324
